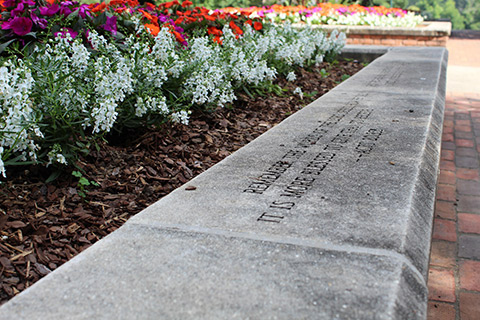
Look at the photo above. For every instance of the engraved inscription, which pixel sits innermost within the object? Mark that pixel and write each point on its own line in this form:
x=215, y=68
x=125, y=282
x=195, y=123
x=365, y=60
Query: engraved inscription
x=298, y=187
x=266, y=179
x=319, y=163
x=366, y=145
x=389, y=78
x=269, y=217
x=291, y=193
x=282, y=205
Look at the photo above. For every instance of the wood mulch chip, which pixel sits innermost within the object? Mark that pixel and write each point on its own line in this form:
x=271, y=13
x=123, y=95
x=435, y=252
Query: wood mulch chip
x=44, y=225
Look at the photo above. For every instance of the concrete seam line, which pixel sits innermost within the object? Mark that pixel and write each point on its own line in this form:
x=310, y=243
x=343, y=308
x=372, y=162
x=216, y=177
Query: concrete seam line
x=283, y=240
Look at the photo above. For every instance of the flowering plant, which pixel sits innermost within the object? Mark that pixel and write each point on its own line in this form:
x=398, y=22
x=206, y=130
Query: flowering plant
x=333, y=14
x=100, y=67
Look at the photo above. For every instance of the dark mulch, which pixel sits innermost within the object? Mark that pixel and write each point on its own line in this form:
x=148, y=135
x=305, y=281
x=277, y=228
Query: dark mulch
x=44, y=225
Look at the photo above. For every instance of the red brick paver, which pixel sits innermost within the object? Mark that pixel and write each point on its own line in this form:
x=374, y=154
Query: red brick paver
x=470, y=275
x=440, y=311
x=454, y=275
x=469, y=306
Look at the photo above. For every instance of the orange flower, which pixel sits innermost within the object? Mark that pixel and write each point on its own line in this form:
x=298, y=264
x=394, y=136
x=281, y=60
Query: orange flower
x=50, y=2
x=178, y=36
x=146, y=14
x=154, y=30
x=257, y=26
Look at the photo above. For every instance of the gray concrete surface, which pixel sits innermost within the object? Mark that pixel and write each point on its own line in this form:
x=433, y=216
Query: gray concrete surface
x=326, y=216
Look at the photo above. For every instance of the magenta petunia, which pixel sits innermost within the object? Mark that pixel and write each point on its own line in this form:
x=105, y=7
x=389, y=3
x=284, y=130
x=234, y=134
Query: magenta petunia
x=19, y=25
x=18, y=10
x=83, y=11
x=111, y=25
x=40, y=22
x=49, y=11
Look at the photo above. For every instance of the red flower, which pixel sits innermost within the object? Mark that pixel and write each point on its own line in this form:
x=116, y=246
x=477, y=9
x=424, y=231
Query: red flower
x=214, y=31
x=257, y=26
x=179, y=20
x=235, y=28
x=99, y=7
x=217, y=40
x=209, y=17
x=133, y=3
x=186, y=3
x=169, y=4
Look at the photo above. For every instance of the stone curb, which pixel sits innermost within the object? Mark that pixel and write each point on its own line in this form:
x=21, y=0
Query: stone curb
x=328, y=215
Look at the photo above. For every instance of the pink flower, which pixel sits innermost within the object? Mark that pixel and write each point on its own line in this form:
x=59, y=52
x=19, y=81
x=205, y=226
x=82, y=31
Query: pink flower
x=19, y=25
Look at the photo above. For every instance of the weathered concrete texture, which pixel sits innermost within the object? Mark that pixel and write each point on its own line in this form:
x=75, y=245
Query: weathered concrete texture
x=147, y=273
x=326, y=216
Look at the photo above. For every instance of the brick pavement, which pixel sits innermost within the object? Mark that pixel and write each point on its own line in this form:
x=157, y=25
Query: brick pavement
x=454, y=275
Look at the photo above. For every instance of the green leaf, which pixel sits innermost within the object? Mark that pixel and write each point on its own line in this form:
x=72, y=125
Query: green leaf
x=4, y=45
x=76, y=174
x=248, y=92
x=83, y=181
x=73, y=15
x=53, y=176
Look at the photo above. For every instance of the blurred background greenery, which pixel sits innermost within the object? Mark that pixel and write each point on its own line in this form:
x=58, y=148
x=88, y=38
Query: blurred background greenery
x=464, y=14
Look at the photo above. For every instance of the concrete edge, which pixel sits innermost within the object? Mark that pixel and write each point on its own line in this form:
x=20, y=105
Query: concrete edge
x=431, y=169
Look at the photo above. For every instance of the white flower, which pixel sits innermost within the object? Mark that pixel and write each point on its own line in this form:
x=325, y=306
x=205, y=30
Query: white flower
x=298, y=91
x=55, y=155
x=2, y=165
x=291, y=76
x=180, y=117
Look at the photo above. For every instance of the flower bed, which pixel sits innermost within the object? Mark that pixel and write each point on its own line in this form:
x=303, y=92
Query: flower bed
x=44, y=225
x=362, y=25
x=71, y=73
x=332, y=14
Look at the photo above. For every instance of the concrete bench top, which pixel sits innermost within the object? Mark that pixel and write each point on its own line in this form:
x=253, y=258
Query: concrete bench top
x=328, y=215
